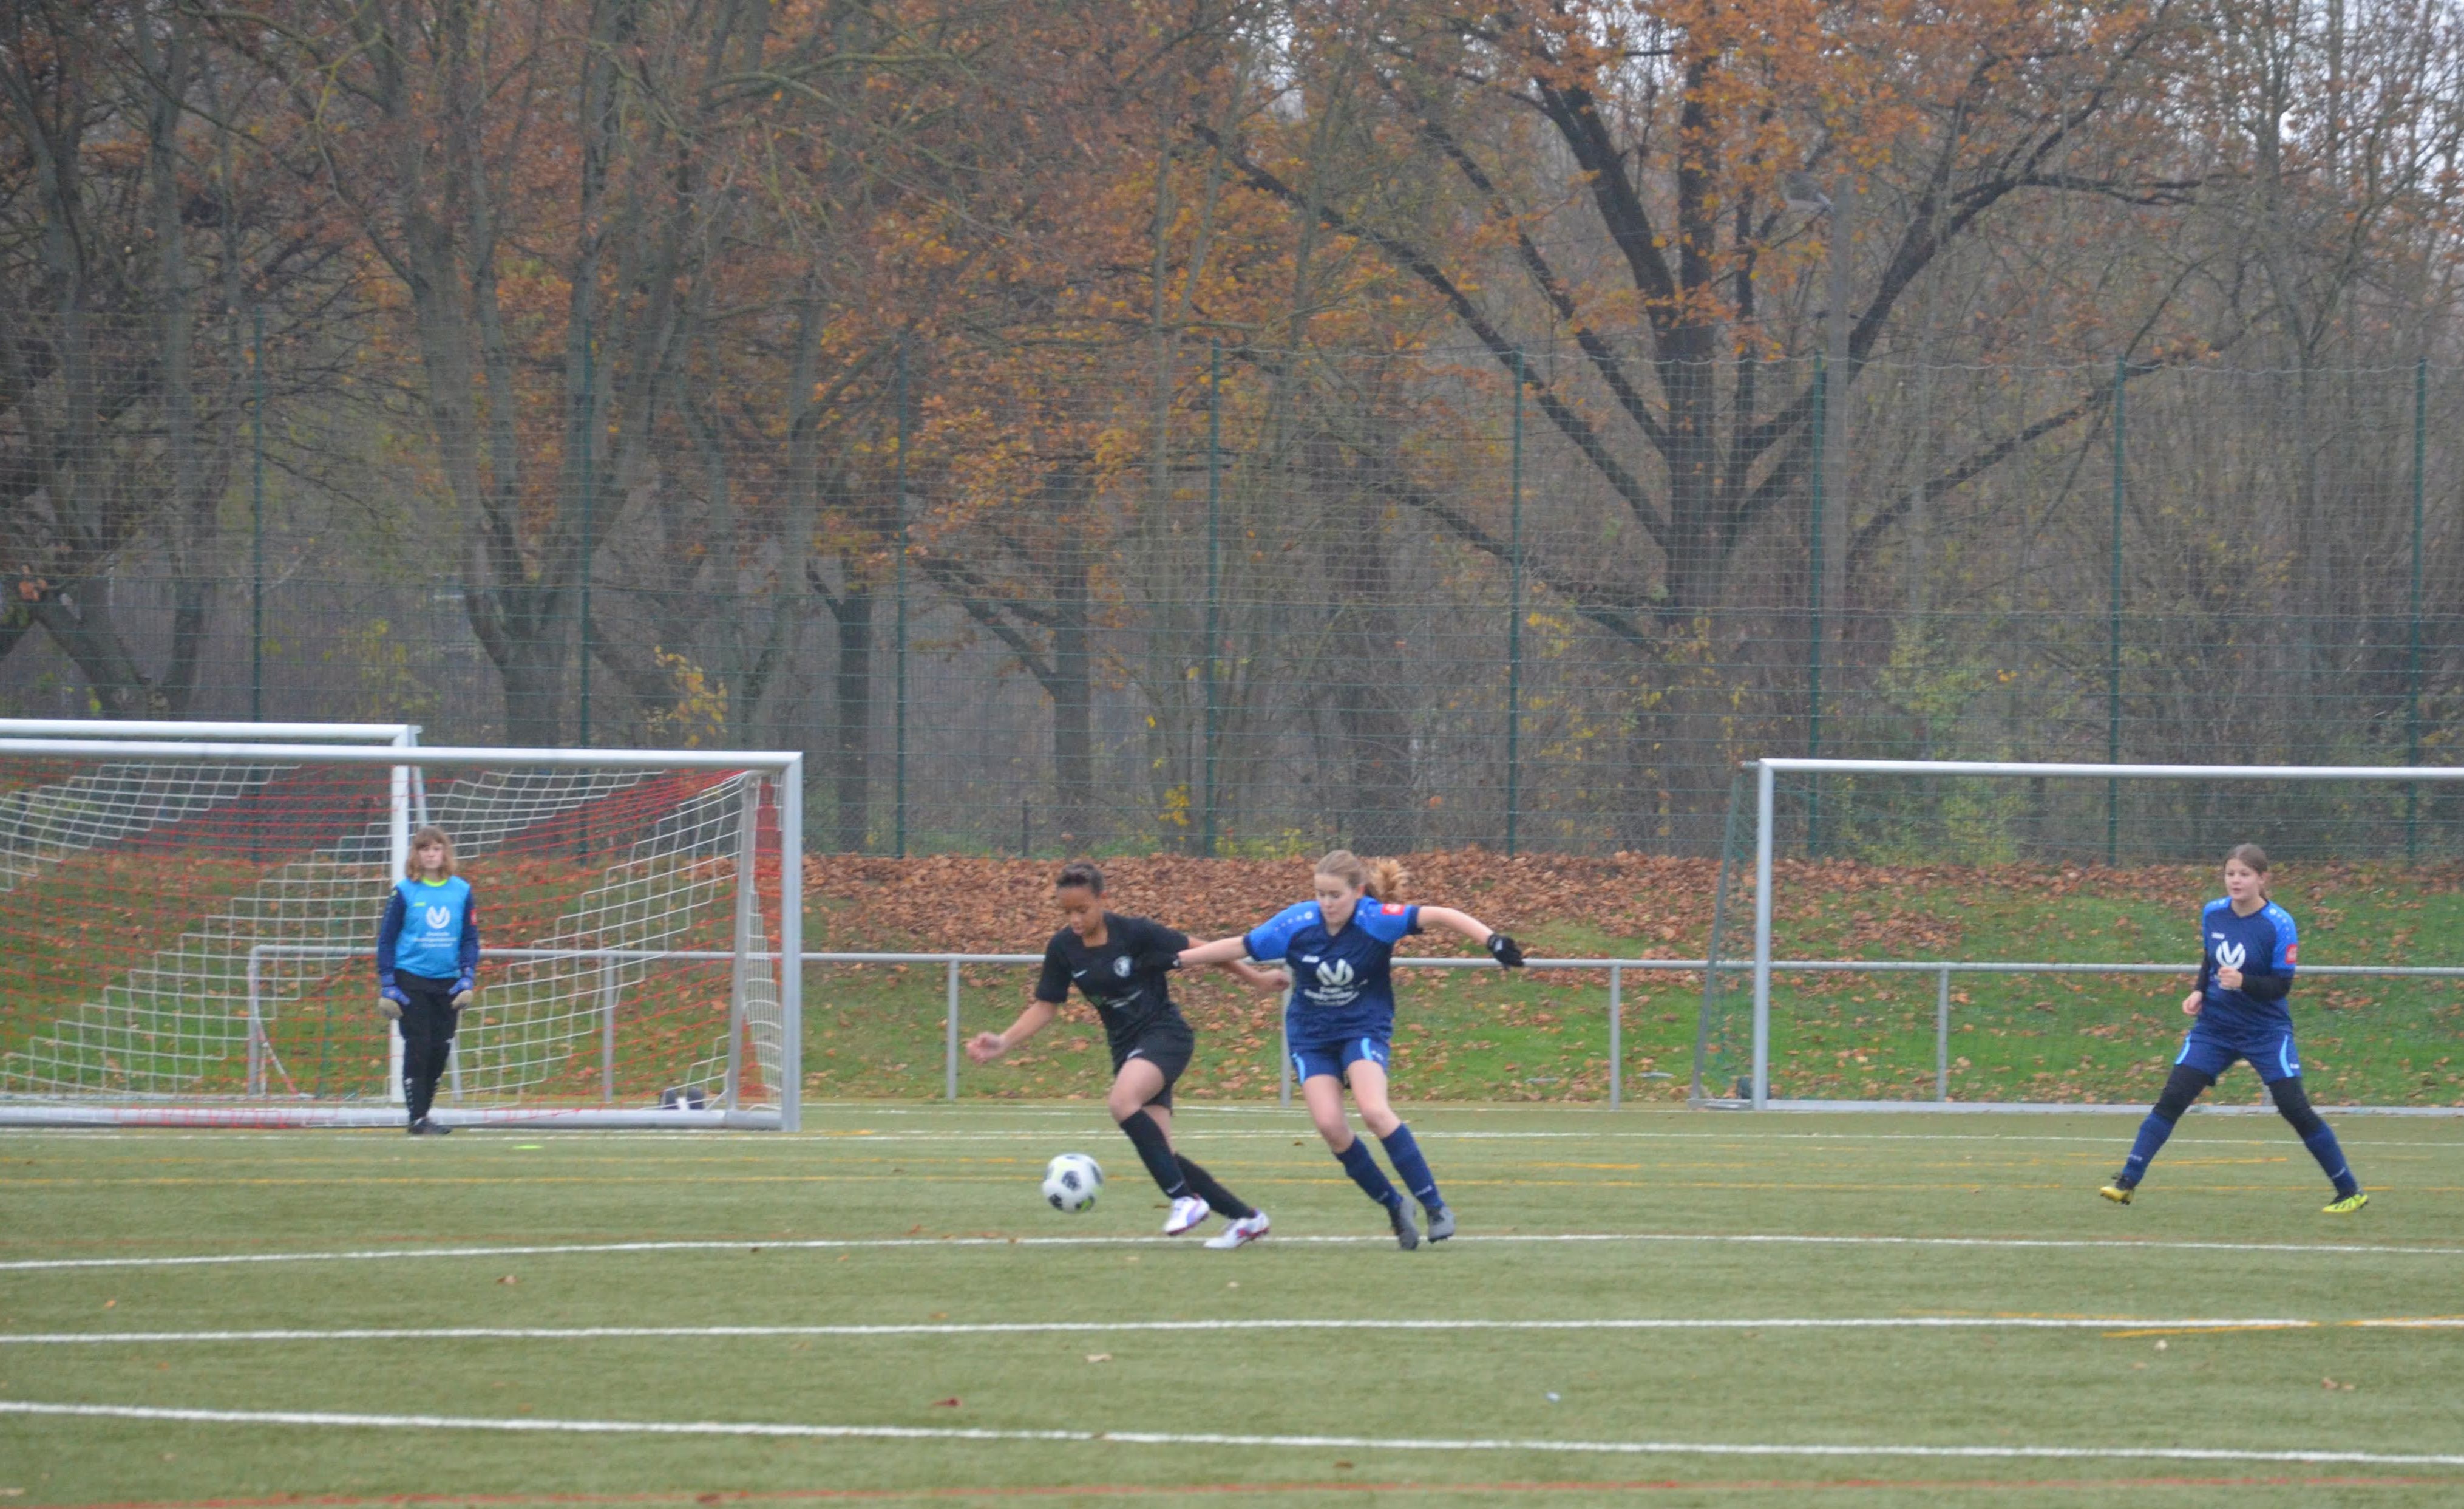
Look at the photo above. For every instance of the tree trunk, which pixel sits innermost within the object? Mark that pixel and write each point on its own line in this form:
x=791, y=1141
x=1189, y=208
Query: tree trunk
x=534, y=670
x=1377, y=816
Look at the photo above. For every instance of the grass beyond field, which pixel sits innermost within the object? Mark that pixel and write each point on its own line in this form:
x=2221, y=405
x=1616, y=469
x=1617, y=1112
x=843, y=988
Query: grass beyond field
x=1651, y=1305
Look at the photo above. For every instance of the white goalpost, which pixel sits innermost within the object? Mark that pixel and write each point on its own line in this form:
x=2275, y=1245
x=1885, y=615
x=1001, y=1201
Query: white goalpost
x=2102, y=1009
x=187, y=928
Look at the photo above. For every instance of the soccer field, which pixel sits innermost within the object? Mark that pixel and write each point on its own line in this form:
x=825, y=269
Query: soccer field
x=1660, y=1306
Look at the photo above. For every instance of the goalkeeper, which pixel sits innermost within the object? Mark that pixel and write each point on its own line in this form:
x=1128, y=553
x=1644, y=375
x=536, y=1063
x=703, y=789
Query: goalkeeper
x=428, y=962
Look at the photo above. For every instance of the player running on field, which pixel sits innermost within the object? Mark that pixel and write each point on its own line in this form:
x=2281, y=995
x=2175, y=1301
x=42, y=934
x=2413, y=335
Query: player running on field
x=2246, y=962
x=1340, y=948
x=428, y=962
x=1120, y=966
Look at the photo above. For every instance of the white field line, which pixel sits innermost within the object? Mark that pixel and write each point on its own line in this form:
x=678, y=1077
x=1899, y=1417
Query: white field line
x=869, y=1244
x=1177, y=1438
x=589, y=1333
x=498, y=1136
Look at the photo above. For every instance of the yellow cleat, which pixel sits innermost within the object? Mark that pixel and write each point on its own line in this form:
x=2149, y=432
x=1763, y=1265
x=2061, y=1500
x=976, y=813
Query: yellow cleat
x=2118, y=1194
x=2347, y=1205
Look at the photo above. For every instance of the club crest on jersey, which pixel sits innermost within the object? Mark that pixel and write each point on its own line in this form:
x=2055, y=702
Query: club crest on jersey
x=1395, y=909
x=1121, y=966
x=2231, y=955
x=439, y=916
x=1335, y=985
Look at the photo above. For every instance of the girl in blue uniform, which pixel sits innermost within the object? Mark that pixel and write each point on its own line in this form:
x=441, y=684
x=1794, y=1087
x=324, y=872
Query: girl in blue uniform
x=1340, y=1018
x=428, y=962
x=2248, y=950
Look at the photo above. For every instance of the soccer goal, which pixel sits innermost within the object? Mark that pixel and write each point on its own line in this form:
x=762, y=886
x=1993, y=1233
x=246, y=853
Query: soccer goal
x=1907, y=934
x=187, y=930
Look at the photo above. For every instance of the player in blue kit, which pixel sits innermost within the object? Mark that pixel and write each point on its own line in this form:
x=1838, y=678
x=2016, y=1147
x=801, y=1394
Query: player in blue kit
x=2249, y=951
x=1340, y=951
x=427, y=964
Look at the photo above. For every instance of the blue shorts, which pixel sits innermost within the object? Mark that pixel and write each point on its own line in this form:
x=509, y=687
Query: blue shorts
x=1335, y=1057
x=2270, y=1050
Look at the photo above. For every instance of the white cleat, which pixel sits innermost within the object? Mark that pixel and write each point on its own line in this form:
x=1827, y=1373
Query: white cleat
x=1240, y=1233
x=1188, y=1213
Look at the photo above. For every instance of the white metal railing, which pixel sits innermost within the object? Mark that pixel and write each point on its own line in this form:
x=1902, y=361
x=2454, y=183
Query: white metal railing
x=1942, y=970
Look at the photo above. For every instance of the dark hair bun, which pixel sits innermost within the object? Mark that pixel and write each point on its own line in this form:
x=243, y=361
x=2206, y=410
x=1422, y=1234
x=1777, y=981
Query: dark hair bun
x=1079, y=872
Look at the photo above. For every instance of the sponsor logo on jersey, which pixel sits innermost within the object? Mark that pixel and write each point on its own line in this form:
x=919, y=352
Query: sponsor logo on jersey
x=440, y=916
x=2293, y=955
x=2230, y=955
x=1336, y=986
x=1395, y=909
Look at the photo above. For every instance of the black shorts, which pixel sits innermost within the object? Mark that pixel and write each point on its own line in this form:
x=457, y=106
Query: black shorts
x=1167, y=1043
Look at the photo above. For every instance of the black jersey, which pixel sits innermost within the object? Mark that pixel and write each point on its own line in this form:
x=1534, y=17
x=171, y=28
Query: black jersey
x=1127, y=998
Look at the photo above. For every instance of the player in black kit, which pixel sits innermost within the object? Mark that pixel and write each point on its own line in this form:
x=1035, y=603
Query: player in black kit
x=1121, y=964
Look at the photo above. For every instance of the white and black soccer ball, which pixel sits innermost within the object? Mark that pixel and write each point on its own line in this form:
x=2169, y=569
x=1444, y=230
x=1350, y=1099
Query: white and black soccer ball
x=682, y=1098
x=1072, y=1182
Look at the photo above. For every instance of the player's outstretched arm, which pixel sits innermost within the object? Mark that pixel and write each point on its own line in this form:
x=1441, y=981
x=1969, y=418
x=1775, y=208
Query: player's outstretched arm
x=1503, y=949
x=985, y=1047
x=1221, y=951
x=1251, y=974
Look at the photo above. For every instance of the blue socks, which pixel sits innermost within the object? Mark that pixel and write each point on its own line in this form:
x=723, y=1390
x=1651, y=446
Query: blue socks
x=2152, y=1132
x=1365, y=1173
x=2331, y=1159
x=1405, y=1151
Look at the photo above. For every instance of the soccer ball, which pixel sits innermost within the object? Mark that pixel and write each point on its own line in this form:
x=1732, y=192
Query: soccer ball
x=1072, y=1182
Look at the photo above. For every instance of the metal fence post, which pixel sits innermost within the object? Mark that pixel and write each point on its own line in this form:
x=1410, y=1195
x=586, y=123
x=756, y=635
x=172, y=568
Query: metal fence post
x=1284, y=1055
x=589, y=417
x=257, y=531
x=608, y=1028
x=2412, y=652
x=1814, y=614
x=1214, y=580
x=898, y=785
x=1514, y=620
x=1616, y=1036
x=2113, y=630
x=950, y=1048
x=1942, y=1036
x=255, y=1029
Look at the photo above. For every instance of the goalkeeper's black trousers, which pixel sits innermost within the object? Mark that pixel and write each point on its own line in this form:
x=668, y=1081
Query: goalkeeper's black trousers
x=428, y=1026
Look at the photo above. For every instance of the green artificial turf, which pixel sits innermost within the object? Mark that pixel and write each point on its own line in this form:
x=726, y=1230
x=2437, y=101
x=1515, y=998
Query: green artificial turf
x=1668, y=1187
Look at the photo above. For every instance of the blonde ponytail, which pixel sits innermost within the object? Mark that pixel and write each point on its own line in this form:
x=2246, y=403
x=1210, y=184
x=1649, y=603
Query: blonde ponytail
x=1383, y=880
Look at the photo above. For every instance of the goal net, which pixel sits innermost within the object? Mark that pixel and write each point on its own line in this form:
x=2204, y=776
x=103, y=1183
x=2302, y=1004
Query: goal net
x=187, y=932
x=1911, y=934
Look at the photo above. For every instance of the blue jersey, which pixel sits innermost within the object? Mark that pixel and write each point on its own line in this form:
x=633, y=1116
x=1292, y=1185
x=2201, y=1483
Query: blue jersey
x=2264, y=946
x=1345, y=984
x=429, y=930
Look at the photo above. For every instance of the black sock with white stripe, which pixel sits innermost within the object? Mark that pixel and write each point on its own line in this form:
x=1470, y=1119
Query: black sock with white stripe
x=1155, y=1150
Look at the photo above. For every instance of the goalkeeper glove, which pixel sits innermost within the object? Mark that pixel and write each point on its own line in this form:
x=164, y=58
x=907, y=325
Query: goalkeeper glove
x=1506, y=951
x=390, y=1000
x=463, y=991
